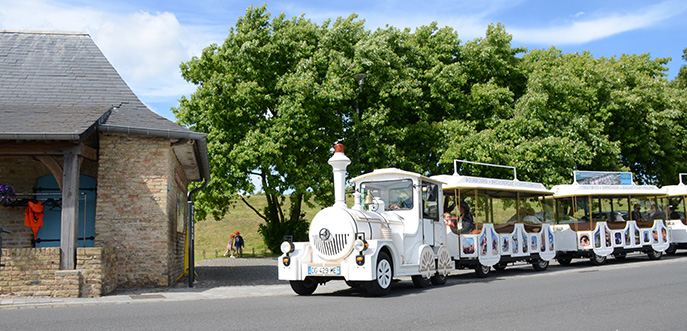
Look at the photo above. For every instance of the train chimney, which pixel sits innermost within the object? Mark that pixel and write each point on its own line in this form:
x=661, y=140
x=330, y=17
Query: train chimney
x=339, y=162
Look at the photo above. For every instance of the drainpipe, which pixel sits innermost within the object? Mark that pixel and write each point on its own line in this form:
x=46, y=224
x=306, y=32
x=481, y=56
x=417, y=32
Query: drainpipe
x=205, y=173
x=191, y=245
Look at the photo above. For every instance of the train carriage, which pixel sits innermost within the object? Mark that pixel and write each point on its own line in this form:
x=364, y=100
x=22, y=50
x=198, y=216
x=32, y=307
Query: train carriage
x=511, y=222
x=605, y=213
x=675, y=220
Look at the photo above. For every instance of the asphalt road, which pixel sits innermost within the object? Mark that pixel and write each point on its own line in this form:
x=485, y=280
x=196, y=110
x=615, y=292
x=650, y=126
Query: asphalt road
x=636, y=294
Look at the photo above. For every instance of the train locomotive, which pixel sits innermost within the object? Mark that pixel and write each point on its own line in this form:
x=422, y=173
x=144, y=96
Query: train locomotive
x=393, y=229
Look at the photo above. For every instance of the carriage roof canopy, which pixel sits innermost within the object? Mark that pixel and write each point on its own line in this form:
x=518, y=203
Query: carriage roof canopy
x=458, y=182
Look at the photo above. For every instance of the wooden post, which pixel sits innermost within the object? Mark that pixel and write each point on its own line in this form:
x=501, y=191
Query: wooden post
x=70, y=210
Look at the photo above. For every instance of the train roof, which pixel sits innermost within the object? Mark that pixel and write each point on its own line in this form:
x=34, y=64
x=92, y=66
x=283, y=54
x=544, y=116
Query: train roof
x=393, y=173
x=570, y=190
x=676, y=190
x=468, y=182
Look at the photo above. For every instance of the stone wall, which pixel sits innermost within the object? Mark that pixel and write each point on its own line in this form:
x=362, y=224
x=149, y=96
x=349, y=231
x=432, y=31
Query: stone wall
x=35, y=272
x=97, y=266
x=136, y=194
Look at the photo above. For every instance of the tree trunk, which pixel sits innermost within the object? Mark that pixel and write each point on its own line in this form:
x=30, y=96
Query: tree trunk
x=296, y=202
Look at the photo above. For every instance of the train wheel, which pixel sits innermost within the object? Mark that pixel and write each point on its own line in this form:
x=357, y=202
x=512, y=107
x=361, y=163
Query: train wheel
x=384, y=275
x=444, y=266
x=420, y=281
x=597, y=259
x=500, y=266
x=540, y=265
x=654, y=255
x=305, y=287
x=482, y=271
x=438, y=279
x=564, y=260
x=671, y=249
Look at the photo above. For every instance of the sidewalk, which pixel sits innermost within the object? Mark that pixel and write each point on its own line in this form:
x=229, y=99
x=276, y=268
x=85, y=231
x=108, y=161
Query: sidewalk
x=222, y=278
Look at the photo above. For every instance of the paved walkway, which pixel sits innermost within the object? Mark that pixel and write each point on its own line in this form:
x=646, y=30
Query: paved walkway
x=221, y=278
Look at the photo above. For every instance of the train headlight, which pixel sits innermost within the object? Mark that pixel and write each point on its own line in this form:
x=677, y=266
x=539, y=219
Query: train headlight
x=360, y=245
x=287, y=247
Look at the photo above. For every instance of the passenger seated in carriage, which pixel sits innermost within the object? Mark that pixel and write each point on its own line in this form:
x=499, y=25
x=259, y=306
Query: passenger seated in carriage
x=636, y=213
x=451, y=222
x=529, y=216
x=466, y=221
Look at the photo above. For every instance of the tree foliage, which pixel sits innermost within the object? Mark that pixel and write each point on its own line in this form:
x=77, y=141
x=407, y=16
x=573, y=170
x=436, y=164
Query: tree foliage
x=681, y=79
x=279, y=93
x=272, y=99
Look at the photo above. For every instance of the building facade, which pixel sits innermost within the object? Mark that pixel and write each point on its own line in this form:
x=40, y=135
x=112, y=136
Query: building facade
x=109, y=173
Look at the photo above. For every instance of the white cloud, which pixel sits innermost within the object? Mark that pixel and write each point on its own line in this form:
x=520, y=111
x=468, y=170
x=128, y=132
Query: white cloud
x=578, y=14
x=145, y=48
x=594, y=29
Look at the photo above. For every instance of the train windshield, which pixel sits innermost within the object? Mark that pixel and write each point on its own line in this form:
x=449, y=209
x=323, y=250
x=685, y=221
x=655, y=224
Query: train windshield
x=394, y=194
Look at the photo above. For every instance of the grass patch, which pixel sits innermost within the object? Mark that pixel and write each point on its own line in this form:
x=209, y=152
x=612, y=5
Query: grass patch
x=212, y=236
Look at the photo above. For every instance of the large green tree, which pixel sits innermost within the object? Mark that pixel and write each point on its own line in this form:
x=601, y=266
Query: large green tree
x=273, y=99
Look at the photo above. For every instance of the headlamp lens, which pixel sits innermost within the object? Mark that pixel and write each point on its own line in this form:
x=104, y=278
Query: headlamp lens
x=286, y=247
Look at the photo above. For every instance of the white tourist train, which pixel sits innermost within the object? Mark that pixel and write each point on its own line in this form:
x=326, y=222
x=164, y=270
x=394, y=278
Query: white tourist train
x=395, y=229
x=675, y=220
x=605, y=213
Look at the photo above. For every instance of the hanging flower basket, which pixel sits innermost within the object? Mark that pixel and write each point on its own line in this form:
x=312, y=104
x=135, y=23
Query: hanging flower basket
x=6, y=194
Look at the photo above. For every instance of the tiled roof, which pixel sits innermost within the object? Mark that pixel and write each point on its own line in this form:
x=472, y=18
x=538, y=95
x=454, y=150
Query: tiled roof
x=59, y=85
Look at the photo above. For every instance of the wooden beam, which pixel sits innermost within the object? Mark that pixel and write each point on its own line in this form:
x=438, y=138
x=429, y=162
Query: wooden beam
x=70, y=210
x=48, y=148
x=54, y=167
x=89, y=152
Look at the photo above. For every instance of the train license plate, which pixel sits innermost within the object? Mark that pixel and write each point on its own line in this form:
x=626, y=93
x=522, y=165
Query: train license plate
x=326, y=270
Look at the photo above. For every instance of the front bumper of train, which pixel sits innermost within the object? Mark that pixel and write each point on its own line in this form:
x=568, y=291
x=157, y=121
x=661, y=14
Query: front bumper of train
x=303, y=262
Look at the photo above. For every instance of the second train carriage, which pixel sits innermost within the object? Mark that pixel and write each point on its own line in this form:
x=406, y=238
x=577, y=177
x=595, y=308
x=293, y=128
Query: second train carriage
x=605, y=213
x=511, y=222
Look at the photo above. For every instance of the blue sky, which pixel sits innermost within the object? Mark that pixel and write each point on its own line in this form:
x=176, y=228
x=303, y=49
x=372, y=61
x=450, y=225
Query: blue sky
x=147, y=40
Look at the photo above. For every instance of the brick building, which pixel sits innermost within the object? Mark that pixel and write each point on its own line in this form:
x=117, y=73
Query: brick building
x=111, y=175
